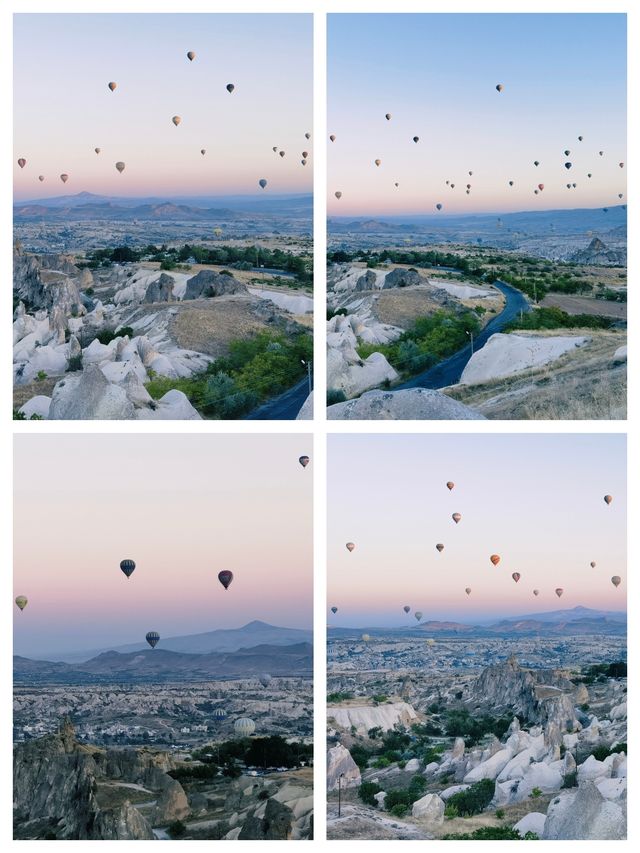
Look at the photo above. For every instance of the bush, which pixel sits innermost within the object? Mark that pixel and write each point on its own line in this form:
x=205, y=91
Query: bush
x=535, y=793
x=177, y=829
x=556, y=318
x=41, y=376
x=399, y=810
x=602, y=752
x=474, y=800
x=570, y=780
x=366, y=792
x=75, y=363
x=499, y=813
x=491, y=833
x=335, y=395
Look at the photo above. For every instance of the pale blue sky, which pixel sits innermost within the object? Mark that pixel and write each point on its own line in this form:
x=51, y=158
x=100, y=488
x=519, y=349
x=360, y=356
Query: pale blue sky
x=564, y=76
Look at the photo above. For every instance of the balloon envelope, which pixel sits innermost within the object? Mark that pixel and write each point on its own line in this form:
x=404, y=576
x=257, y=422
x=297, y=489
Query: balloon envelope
x=190, y=55
x=608, y=499
x=350, y=546
x=262, y=182
x=230, y=87
x=495, y=559
x=112, y=86
x=225, y=577
x=468, y=590
x=516, y=576
x=615, y=580
x=22, y=162
x=456, y=517
x=406, y=608
x=304, y=461
x=120, y=166
x=22, y=601
x=334, y=610
x=559, y=591
x=64, y=178
x=176, y=120
x=127, y=567
x=440, y=547
x=153, y=638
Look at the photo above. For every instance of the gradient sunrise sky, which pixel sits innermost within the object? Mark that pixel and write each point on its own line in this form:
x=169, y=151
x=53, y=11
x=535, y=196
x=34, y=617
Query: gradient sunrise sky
x=536, y=500
x=564, y=76
x=63, y=108
x=184, y=507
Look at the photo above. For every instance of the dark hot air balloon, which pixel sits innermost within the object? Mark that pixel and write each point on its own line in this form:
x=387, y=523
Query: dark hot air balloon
x=225, y=577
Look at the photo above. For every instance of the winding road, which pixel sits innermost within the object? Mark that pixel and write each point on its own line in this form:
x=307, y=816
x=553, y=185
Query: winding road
x=284, y=407
x=449, y=371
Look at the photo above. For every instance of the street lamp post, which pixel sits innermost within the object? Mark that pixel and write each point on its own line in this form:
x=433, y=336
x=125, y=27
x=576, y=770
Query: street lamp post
x=307, y=364
x=340, y=778
x=470, y=336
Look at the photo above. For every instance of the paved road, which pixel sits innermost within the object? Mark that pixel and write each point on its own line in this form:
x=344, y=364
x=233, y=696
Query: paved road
x=449, y=371
x=284, y=407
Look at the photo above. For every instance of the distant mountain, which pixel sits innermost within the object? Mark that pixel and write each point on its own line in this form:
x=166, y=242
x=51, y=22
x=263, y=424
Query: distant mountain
x=574, y=613
x=447, y=627
x=221, y=640
x=160, y=664
x=87, y=206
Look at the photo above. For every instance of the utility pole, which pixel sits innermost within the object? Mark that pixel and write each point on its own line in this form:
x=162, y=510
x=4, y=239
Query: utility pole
x=470, y=335
x=340, y=778
x=307, y=364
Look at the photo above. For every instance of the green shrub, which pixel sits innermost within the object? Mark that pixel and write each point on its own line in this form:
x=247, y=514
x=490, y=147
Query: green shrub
x=41, y=376
x=399, y=810
x=535, y=793
x=335, y=395
x=75, y=363
x=474, y=799
x=491, y=833
x=570, y=780
x=499, y=813
x=366, y=792
x=177, y=829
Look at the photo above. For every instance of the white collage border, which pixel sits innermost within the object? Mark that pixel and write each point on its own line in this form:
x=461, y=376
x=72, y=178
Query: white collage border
x=319, y=427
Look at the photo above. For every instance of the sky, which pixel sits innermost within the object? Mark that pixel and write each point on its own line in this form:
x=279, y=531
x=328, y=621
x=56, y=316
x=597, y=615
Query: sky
x=564, y=76
x=184, y=508
x=63, y=108
x=535, y=500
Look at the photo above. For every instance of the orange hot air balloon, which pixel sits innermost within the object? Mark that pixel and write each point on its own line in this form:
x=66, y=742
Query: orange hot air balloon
x=516, y=576
x=450, y=486
x=616, y=581
x=495, y=559
x=559, y=591
x=350, y=546
x=191, y=55
x=499, y=87
x=608, y=499
x=112, y=86
x=377, y=162
x=456, y=517
x=439, y=547
x=176, y=120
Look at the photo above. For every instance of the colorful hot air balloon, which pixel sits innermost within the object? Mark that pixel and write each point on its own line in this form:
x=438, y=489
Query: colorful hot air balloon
x=190, y=55
x=112, y=86
x=616, y=581
x=350, y=546
x=516, y=576
x=304, y=461
x=244, y=727
x=495, y=559
x=540, y=187
x=176, y=120
x=334, y=610
x=120, y=166
x=456, y=517
x=153, y=638
x=440, y=547
x=230, y=87
x=338, y=194
x=64, y=178
x=559, y=591
x=499, y=87
x=21, y=602
x=127, y=567
x=608, y=499
x=406, y=608
x=22, y=162
x=377, y=162
x=225, y=577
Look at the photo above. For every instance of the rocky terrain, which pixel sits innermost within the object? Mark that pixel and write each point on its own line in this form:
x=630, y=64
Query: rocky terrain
x=557, y=768
x=92, y=340
x=64, y=789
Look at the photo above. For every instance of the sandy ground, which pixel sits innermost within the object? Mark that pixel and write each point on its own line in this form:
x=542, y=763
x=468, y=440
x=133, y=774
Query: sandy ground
x=209, y=326
x=23, y=393
x=402, y=306
x=586, y=305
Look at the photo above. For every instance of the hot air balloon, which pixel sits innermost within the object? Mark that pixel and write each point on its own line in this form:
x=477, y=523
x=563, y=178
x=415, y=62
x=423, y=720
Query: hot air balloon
x=225, y=577
x=307, y=136
x=601, y=153
x=97, y=150
x=304, y=461
x=305, y=154
x=41, y=178
x=230, y=87
x=438, y=207
x=190, y=55
x=568, y=165
x=176, y=120
x=440, y=547
x=388, y=116
x=559, y=591
x=467, y=589
x=418, y=615
x=456, y=517
x=350, y=546
x=450, y=486
x=334, y=610
x=540, y=187
x=516, y=576
x=406, y=608
x=416, y=139
x=64, y=178
x=566, y=152
x=120, y=166
x=430, y=641
x=113, y=86
x=510, y=183
x=615, y=580
x=153, y=638
x=580, y=138
x=536, y=162
x=332, y=137
x=499, y=87
x=396, y=184
x=621, y=165
x=21, y=602
x=22, y=162
x=219, y=714
x=244, y=727
x=203, y=151
x=282, y=153
x=275, y=149
x=470, y=174
x=338, y=194
x=127, y=567
x=264, y=679
x=536, y=592
x=495, y=559
x=619, y=195
x=377, y=162
x=608, y=499
x=262, y=182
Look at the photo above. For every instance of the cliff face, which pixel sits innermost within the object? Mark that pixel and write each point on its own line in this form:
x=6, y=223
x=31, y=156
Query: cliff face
x=54, y=781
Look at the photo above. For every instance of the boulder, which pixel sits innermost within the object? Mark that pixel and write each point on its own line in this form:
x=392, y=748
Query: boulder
x=208, y=283
x=172, y=804
x=490, y=768
x=430, y=809
x=412, y=765
x=38, y=405
x=451, y=790
x=591, y=769
x=341, y=764
x=173, y=406
x=306, y=412
x=409, y=404
x=532, y=822
x=89, y=396
x=160, y=290
x=584, y=816
x=124, y=823
x=380, y=798
x=276, y=825
x=401, y=278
